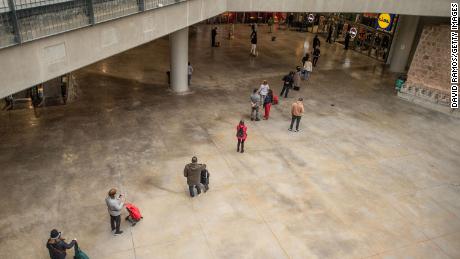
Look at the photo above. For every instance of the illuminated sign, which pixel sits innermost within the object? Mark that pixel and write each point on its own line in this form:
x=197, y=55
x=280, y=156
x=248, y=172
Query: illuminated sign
x=385, y=21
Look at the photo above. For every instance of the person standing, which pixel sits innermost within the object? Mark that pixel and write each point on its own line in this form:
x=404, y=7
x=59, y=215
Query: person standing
x=296, y=111
x=268, y=104
x=316, y=42
x=114, y=206
x=263, y=91
x=307, y=68
x=190, y=72
x=347, y=39
x=254, y=42
x=241, y=135
x=297, y=78
x=57, y=246
x=213, y=37
x=193, y=173
x=255, y=102
x=287, y=84
x=316, y=53
x=329, y=34
x=271, y=21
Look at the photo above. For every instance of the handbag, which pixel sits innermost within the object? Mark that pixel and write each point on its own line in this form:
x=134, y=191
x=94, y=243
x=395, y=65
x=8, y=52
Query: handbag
x=79, y=254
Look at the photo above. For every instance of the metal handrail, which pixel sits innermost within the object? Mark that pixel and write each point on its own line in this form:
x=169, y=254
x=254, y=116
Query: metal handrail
x=27, y=20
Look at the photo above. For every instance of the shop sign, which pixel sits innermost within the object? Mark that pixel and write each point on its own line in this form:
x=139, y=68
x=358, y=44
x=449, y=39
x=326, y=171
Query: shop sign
x=353, y=32
x=385, y=21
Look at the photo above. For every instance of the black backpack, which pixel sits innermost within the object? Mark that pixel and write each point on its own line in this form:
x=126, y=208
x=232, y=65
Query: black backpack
x=240, y=132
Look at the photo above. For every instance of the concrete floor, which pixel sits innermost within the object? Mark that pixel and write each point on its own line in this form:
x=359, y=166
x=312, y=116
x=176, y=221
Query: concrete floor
x=370, y=177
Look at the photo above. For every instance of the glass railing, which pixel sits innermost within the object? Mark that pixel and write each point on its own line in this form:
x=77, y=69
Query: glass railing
x=26, y=20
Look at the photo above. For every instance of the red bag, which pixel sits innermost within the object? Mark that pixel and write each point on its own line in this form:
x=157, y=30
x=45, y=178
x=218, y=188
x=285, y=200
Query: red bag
x=133, y=211
x=275, y=99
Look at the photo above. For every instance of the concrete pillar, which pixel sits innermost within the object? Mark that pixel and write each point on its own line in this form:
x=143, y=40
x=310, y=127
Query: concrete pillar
x=403, y=42
x=178, y=48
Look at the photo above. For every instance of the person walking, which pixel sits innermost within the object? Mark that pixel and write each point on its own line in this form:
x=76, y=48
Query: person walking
x=307, y=68
x=316, y=54
x=241, y=135
x=270, y=22
x=213, y=37
x=190, y=72
x=57, y=246
x=297, y=78
x=329, y=34
x=263, y=91
x=288, y=80
x=347, y=39
x=193, y=173
x=296, y=111
x=268, y=104
x=114, y=206
x=316, y=42
x=254, y=42
x=255, y=103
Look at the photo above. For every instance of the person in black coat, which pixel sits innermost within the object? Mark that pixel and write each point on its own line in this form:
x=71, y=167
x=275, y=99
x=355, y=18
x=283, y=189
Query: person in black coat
x=347, y=39
x=288, y=80
x=316, y=53
x=213, y=37
x=329, y=35
x=57, y=246
x=316, y=42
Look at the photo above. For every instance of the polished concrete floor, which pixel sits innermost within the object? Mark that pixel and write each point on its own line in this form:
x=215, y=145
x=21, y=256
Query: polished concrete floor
x=368, y=176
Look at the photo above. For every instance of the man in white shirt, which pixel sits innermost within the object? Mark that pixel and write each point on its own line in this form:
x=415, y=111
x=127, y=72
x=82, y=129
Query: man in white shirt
x=263, y=91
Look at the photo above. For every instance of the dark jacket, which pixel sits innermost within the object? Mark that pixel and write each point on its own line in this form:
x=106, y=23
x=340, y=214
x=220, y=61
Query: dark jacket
x=57, y=248
x=316, y=42
x=193, y=173
x=254, y=37
x=213, y=33
x=268, y=99
x=288, y=80
x=316, y=53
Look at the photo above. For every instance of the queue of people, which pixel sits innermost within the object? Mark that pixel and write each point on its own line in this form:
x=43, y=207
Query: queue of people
x=196, y=173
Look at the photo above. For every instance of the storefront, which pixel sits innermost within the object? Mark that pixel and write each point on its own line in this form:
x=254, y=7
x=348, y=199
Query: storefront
x=371, y=34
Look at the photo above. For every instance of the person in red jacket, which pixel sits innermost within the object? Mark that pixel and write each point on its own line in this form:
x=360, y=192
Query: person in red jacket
x=241, y=134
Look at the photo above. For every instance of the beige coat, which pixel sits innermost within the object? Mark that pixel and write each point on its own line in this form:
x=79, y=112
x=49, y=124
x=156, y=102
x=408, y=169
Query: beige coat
x=297, y=108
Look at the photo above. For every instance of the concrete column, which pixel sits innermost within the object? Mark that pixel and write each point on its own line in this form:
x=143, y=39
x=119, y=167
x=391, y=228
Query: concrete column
x=403, y=42
x=178, y=48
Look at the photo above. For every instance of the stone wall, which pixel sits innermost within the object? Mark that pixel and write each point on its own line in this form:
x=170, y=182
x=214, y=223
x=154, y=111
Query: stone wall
x=428, y=80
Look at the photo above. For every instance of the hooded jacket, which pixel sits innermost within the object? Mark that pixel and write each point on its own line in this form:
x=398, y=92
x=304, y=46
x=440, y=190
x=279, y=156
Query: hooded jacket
x=57, y=247
x=193, y=173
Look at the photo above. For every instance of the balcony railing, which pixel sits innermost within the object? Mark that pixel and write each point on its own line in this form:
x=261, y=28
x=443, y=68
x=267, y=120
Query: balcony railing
x=27, y=20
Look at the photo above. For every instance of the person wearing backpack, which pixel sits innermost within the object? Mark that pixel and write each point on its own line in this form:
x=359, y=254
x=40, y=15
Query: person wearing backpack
x=57, y=246
x=241, y=135
x=268, y=104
